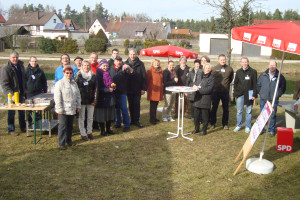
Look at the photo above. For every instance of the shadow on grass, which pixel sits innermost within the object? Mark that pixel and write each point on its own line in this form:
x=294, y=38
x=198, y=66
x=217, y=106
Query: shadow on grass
x=100, y=169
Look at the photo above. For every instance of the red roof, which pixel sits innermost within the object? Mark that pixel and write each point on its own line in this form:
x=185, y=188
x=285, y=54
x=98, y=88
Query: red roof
x=265, y=21
x=114, y=25
x=68, y=21
x=181, y=31
x=2, y=19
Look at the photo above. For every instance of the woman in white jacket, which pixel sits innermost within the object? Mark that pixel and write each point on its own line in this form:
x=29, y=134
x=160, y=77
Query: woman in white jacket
x=67, y=103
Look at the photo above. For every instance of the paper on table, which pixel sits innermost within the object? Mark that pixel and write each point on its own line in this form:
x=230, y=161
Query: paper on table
x=250, y=93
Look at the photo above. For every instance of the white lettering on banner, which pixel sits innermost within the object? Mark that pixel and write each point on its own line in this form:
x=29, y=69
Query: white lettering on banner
x=179, y=53
x=261, y=39
x=292, y=47
x=156, y=51
x=247, y=36
x=276, y=43
x=284, y=147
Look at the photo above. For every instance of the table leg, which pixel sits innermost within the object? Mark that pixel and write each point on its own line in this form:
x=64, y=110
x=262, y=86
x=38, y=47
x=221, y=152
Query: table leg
x=41, y=125
x=34, y=126
x=26, y=120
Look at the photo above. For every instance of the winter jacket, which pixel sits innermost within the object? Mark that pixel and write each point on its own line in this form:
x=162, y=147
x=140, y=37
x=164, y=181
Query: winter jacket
x=87, y=88
x=67, y=97
x=138, y=82
x=104, y=98
x=244, y=81
x=9, y=79
x=59, y=74
x=155, y=88
x=120, y=78
x=266, y=87
x=36, y=81
x=203, y=96
x=94, y=67
x=190, y=81
x=223, y=77
x=182, y=74
x=168, y=81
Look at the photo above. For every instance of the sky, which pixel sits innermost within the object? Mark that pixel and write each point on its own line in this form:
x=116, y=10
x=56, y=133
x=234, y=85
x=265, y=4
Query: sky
x=173, y=9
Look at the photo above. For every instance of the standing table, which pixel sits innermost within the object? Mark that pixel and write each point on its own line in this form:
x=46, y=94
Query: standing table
x=181, y=90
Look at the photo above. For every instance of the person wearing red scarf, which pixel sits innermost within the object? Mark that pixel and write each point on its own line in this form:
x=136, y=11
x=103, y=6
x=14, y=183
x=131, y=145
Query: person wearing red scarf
x=94, y=61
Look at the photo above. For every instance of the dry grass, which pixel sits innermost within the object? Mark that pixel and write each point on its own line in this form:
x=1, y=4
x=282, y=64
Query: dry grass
x=142, y=164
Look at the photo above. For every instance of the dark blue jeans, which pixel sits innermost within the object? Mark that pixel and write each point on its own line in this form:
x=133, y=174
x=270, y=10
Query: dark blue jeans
x=11, y=118
x=272, y=126
x=215, y=99
x=134, y=101
x=122, y=99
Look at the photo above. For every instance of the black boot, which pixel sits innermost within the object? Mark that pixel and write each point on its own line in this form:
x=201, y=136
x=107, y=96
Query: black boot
x=108, y=130
x=103, y=133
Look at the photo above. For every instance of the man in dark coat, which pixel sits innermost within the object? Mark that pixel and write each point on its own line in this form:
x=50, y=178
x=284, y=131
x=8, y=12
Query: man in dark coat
x=137, y=85
x=245, y=93
x=114, y=54
x=13, y=80
x=120, y=74
x=223, y=75
x=266, y=85
x=35, y=78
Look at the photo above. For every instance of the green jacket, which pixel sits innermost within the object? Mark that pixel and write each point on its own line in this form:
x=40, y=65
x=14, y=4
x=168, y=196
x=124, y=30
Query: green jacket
x=223, y=77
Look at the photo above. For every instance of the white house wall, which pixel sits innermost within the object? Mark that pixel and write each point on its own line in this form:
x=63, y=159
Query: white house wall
x=237, y=46
x=96, y=27
x=50, y=24
x=55, y=34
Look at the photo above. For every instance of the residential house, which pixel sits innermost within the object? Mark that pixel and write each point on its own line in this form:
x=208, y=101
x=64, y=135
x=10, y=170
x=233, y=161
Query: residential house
x=2, y=20
x=114, y=25
x=70, y=25
x=98, y=24
x=145, y=30
x=181, y=31
x=261, y=21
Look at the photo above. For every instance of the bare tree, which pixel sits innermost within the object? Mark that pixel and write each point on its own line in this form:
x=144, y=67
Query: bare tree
x=231, y=10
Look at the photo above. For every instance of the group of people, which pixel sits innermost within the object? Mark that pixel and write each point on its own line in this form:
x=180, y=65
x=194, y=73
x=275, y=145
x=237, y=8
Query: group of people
x=99, y=91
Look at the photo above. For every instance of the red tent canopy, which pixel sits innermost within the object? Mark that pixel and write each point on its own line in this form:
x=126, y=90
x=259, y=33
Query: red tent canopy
x=281, y=36
x=167, y=51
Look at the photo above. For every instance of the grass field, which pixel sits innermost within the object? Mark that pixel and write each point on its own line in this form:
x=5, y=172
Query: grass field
x=142, y=164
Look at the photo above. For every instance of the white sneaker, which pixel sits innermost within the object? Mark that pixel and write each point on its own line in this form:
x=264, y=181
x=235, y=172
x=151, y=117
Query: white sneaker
x=164, y=119
x=171, y=119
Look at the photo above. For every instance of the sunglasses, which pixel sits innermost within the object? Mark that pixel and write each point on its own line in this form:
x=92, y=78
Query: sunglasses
x=68, y=73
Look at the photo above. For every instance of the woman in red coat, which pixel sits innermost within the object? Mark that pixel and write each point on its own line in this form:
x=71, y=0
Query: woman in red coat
x=154, y=88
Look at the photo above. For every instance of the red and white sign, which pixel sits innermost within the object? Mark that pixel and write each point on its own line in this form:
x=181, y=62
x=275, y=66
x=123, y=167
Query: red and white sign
x=284, y=139
x=247, y=36
x=261, y=39
x=292, y=47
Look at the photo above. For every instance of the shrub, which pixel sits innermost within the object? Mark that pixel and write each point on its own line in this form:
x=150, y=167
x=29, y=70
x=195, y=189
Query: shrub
x=58, y=45
x=179, y=36
x=126, y=43
x=155, y=43
x=126, y=52
x=185, y=44
x=287, y=56
x=46, y=45
x=95, y=45
x=101, y=35
x=24, y=41
x=148, y=44
x=69, y=46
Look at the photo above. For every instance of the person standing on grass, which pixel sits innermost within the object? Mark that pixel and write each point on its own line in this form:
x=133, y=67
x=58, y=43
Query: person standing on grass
x=169, y=79
x=78, y=62
x=67, y=104
x=194, y=73
x=137, y=86
x=93, y=59
x=266, y=85
x=245, y=93
x=223, y=75
x=202, y=103
x=13, y=80
x=86, y=82
x=182, y=71
x=114, y=54
x=120, y=74
x=105, y=106
x=65, y=61
x=155, y=88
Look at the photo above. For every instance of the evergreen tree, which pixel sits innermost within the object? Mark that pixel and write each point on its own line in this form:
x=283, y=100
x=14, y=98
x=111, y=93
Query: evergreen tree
x=277, y=15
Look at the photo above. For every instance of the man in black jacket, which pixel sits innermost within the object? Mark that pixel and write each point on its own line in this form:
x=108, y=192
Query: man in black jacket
x=120, y=74
x=245, y=93
x=137, y=85
x=114, y=54
x=13, y=80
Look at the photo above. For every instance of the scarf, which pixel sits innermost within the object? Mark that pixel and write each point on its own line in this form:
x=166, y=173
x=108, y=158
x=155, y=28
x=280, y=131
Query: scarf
x=107, y=80
x=86, y=76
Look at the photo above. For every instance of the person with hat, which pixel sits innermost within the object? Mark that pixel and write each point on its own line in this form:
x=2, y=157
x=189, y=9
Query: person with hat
x=67, y=103
x=120, y=74
x=65, y=61
x=78, y=61
x=105, y=101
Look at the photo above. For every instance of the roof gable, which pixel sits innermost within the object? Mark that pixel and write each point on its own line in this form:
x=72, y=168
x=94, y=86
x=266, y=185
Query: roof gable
x=114, y=25
x=181, y=31
x=71, y=23
x=2, y=19
x=30, y=18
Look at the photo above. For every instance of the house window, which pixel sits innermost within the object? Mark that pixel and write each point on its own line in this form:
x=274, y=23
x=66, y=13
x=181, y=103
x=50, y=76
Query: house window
x=139, y=33
x=54, y=21
x=37, y=28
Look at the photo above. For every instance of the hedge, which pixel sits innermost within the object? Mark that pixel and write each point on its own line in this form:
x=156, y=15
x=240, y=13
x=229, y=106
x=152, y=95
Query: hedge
x=287, y=56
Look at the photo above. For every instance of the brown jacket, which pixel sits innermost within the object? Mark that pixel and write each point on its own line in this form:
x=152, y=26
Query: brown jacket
x=155, y=85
